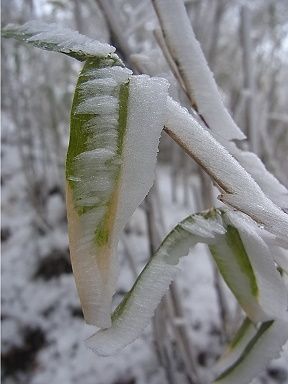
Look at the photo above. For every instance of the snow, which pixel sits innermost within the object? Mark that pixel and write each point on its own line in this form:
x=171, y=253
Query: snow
x=193, y=67
x=53, y=305
x=225, y=171
x=63, y=39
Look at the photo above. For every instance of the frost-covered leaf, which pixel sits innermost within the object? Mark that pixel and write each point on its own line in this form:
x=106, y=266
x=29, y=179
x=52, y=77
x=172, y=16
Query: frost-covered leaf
x=238, y=188
x=192, y=65
x=251, y=257
x=236, y=263
x=116, y=122
x=53, y=37
x=253, y=165
x=202, y=88
x=251, y=350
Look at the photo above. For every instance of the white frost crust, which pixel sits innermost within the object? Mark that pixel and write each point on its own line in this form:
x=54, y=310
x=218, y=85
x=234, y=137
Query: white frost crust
x=98, y=104
x=117, y=73
x=94, y=183
x=136, y=316
x=193, y=66
x=127, y=179
x=232, y=353
x=276, y=191
x=272, y=293
x=281, y=257
x=237, y=186
x=150, y=287
x=138, y=307
x=267, y=347
x=66, y=39
x=146, y=116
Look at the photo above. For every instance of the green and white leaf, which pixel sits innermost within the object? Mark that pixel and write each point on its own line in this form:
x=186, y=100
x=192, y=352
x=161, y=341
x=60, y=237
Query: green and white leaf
x=235, y=349
x=110, y=169
x=199, y=80
x=116, y=122
x=53, y=37
x=203, y=91
x=236, y=264
x=238, y=188
x=251, y=350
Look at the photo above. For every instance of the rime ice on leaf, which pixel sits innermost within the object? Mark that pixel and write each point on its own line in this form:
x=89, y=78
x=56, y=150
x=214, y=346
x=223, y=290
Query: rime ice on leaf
x=53, y=37
x=237, y=186
x=192, y=65
x=251, y=350
x=110, y=169
x=116, y=122
x=236, y=259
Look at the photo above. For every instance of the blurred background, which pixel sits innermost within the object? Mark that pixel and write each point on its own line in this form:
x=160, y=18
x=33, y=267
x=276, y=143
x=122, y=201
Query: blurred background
x=43, y=330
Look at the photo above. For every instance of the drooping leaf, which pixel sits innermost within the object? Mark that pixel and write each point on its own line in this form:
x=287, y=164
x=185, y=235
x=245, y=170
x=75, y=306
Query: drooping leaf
x=116, y=122
x=236, y=264
x=53, y=37
x=202, y=88
x=199, y=80
x=110, y=168
x=254, y=166
x=238, y=188
x=251, y=350
x=235, y=349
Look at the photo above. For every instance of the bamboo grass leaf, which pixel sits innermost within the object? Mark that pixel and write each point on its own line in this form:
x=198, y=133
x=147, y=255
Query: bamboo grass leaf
x=205, y=97
x=249, y=355
x=236, y=263
x=192, y=65
x=116, y=122
x=53, y=37
x=110, y=169
x=238, y=188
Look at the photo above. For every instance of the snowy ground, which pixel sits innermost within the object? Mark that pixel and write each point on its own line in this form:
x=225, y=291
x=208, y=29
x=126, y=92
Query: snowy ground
x=42, y=325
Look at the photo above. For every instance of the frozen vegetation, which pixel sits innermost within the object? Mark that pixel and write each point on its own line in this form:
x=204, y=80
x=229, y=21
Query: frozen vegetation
x=109, y=171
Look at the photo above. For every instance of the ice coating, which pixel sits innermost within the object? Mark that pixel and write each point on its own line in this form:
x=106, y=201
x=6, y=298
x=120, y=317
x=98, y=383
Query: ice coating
x=267, y=344
x=199, y=80
x=272, y=293
x=121, y=120
x=57, y=38
x=268, y=183
x=237, y=186
x=137, y=308
x=146, y=117
x=237, y=346
x=135, y=312
x=142, y=304
x=92, y=180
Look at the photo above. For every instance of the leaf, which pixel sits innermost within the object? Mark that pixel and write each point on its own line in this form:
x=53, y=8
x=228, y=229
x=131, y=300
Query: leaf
x=238, y=188
x=251, y=351
x=235, y=264
x=116, y=122
x=253, y=165
x=53, y=37
x=202, y=88
x=235, y=349
x=110, y=169
x=250, y=255
x=193, y=67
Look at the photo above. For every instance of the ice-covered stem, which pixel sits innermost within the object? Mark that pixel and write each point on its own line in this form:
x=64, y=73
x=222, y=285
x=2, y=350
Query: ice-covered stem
x=237, y=187
x=189, y=58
